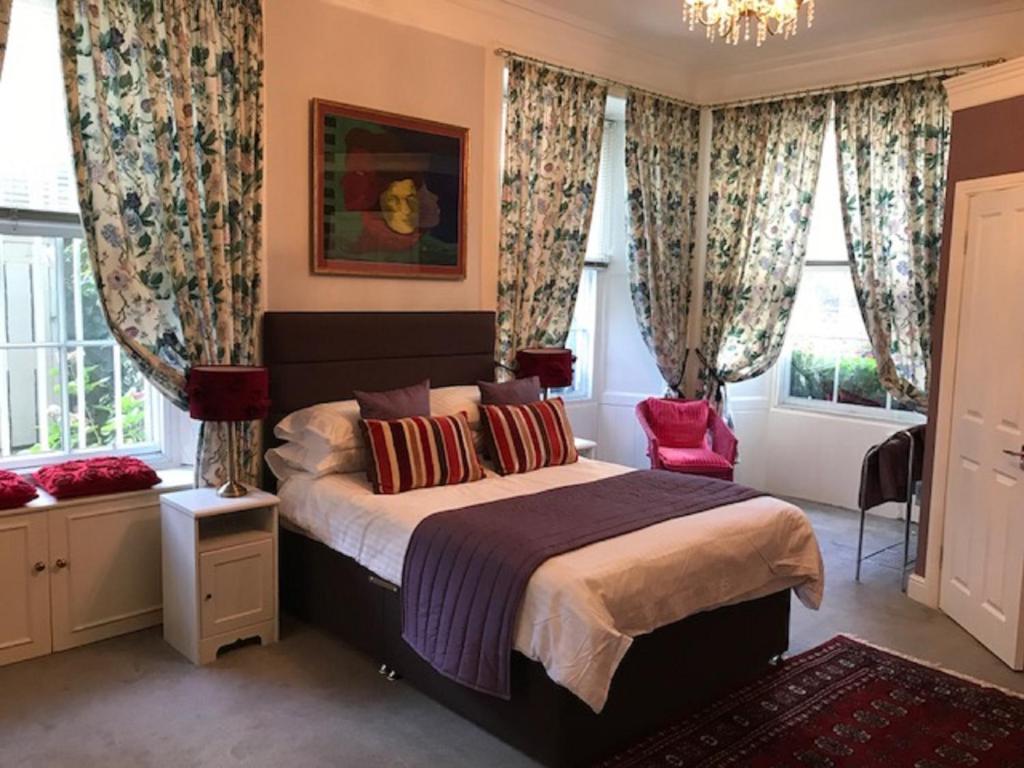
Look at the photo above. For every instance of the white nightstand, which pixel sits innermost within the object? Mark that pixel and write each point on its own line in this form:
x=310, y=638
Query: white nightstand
x=586, y=448
x=219, y=570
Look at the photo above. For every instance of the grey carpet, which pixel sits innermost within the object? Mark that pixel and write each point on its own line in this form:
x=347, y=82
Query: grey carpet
x=310, y=701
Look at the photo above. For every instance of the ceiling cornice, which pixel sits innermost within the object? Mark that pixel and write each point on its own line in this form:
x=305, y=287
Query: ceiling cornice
x=1004, y=81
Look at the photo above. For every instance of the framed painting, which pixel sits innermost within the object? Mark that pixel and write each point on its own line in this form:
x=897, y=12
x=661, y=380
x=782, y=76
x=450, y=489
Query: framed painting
x=389, y=194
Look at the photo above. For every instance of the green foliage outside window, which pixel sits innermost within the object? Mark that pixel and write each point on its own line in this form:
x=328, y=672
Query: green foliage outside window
x=812, y=377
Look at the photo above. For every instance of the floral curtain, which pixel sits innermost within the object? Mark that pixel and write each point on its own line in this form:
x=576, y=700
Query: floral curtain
x=165, y=108
x=5, y=24
x=553, y=133
x=893, y=147
x=662, y=142
x=764, y=172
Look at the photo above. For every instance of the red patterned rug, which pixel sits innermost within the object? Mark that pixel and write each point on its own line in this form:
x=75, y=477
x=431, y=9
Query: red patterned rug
x=845, y=705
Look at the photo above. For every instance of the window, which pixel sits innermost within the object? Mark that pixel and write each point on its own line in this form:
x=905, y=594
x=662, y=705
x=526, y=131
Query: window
x=65, y=386
x=600, y=244
x=828, y=362
x=581, y=338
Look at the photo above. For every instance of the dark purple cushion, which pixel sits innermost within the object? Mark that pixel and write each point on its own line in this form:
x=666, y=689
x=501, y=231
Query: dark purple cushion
x=515, y=392
x=401, y=403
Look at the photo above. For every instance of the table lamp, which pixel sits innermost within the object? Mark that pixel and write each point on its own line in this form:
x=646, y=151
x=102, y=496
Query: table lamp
x=552, y=365
x=229, y=393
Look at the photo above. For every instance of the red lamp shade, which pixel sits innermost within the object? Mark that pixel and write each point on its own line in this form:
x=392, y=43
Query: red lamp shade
x=228, y=393
x=552, y=365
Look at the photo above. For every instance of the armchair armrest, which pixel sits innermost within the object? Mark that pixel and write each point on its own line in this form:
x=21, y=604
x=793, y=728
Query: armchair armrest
x=723, y=441
x=652, y=439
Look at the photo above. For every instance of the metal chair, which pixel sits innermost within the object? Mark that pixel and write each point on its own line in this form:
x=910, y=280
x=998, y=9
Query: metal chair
x=902, y=449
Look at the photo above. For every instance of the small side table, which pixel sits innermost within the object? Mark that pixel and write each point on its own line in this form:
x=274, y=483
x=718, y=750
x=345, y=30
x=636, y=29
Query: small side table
x=586, y=448
x=219, y=570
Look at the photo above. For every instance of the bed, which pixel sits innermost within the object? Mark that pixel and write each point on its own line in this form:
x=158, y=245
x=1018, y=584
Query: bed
x=341, y=552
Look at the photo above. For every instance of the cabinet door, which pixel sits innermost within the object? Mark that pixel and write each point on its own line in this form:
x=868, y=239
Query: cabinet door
x=24, y=588
x=236, y=586
x=106, y=576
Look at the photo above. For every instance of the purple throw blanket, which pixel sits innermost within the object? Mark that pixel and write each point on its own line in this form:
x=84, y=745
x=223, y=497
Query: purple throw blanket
x=466, y=570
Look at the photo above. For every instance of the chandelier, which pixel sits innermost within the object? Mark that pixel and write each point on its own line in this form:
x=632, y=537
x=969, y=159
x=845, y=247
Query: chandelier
x=733, y=20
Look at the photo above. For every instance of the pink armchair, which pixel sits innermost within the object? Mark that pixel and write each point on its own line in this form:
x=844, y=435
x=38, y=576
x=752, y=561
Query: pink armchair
x=687, y=436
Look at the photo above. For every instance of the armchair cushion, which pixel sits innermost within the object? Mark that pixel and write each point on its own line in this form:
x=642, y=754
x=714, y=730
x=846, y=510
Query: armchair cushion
x=694, y=461
x=679, y=423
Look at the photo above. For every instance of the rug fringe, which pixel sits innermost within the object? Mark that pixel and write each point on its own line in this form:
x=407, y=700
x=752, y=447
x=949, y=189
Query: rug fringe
x=933, y=665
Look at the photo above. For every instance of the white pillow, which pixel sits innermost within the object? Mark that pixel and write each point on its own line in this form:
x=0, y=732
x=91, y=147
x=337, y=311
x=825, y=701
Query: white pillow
x=327, y=437
x=317, y=460
x=333, y=425
x=447, y=401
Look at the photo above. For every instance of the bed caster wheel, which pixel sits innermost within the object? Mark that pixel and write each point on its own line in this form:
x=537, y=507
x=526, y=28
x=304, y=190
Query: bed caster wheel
x=388, y=673
x=777, y=661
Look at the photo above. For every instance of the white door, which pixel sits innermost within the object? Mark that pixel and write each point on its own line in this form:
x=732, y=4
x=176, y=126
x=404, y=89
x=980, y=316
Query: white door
x=237, y=586
x=24, y=588
x=106, y=575
x=982, y=581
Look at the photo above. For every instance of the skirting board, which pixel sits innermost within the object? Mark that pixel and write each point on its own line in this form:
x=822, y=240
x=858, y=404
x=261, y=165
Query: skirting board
x=919, y=590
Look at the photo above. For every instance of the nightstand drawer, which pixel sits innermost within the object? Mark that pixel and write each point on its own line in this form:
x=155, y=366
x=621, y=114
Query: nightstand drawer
x=236, y=586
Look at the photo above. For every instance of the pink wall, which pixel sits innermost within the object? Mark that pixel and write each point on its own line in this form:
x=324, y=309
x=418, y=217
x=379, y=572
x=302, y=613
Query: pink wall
x=314, y=49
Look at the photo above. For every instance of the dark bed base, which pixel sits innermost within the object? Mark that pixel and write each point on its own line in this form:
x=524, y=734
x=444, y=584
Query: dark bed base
x=667, y=673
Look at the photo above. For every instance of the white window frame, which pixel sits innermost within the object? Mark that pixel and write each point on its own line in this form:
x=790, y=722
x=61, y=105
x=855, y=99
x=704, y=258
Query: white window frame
x=161, y=413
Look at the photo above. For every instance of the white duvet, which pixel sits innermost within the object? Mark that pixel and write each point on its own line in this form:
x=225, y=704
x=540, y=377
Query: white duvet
x=582, y=609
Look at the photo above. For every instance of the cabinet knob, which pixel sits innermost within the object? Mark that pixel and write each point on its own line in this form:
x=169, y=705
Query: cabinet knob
x=208, y=597
x=61, y=563
x=39, y=567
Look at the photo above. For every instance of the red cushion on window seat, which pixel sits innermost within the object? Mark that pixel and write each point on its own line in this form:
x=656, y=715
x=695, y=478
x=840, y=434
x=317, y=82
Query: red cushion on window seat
x=92, y=477
x=693, y=461
x=15, y=491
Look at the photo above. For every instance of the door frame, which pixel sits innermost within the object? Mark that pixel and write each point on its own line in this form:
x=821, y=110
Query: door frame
x=926, y=588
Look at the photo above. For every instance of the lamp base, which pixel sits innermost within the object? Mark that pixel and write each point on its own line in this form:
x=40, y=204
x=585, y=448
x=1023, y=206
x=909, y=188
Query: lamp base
x=232, y=489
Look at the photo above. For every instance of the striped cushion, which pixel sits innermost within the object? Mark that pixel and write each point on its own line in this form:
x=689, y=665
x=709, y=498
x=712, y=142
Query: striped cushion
x=420, y=452
x=526, y=437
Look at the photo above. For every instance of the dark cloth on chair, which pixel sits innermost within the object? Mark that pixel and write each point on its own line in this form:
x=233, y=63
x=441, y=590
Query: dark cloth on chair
x=883, y=475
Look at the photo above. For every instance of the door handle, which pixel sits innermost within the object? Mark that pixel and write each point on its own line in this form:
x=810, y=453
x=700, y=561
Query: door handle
x=1019, y=455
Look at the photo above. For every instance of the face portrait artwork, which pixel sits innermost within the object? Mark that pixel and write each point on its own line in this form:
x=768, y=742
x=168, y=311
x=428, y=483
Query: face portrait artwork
x=391, y=199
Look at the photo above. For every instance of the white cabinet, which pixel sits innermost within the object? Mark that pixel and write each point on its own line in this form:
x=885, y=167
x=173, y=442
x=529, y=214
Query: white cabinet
x=219, y=571
x=80, y=570
x=587, y=449
x=24, y=588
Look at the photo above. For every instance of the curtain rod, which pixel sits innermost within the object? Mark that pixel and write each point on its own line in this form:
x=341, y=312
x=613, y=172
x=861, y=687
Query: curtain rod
x=907, y=77
x=507, y=54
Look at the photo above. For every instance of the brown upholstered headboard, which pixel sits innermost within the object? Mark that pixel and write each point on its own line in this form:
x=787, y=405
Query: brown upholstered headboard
x=317, y=357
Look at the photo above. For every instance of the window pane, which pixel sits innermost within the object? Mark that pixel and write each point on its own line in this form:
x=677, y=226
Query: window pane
x=858, y=377
x=91, y=400
x=31, y=402
x=581, y=338
x=36, y=171
x=85, y=321
x=135, y=413
x=29, y=280
x=812, y=371
x=826, y=240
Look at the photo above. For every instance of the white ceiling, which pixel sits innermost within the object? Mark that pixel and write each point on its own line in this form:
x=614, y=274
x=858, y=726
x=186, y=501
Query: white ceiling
x=656, y=27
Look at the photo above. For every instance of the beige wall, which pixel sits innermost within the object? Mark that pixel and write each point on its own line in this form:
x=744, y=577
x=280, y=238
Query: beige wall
x=315, y=49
